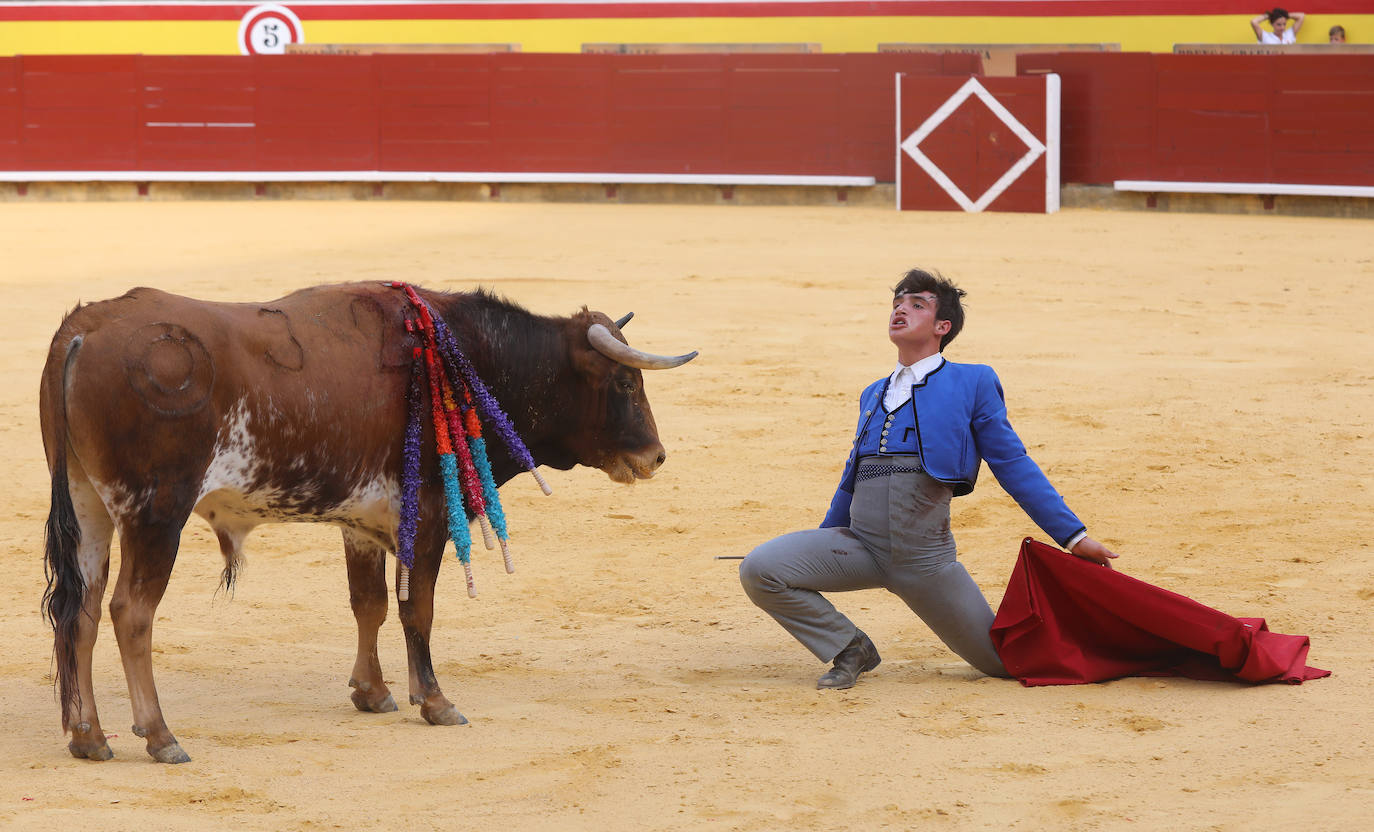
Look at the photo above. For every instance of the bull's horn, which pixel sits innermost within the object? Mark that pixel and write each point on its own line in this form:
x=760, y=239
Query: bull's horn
x=620, y=324
x=622, y=353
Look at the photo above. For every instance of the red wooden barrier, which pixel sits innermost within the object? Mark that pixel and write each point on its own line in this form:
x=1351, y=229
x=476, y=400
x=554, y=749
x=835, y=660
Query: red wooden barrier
x=660, y=114
x=198, y=113
x=1301, y=119
x=10, y=110
x=1273, y=118
x=79, y=107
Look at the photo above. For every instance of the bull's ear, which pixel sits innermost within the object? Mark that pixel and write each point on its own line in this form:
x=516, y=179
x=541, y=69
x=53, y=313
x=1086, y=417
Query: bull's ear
x=588, y=362
x=620, y=324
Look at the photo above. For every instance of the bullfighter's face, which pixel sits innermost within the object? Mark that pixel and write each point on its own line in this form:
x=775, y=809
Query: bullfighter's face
x=913, y=327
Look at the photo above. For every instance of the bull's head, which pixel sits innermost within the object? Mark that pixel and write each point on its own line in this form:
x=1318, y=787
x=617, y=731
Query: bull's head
x=618, y=434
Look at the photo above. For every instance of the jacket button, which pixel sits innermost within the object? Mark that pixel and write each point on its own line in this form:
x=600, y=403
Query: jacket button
x=884, y=433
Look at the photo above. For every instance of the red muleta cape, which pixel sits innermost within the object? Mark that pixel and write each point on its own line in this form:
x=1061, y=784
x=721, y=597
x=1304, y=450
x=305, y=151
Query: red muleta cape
x=1068, y=621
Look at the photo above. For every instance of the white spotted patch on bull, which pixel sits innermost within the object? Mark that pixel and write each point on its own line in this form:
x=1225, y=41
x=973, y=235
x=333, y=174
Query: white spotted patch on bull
x=242, y=490
x=371, y=509
x=120, y=503
x=237, y=487
x=224, y=499
x=97, y=528
x=233, y=461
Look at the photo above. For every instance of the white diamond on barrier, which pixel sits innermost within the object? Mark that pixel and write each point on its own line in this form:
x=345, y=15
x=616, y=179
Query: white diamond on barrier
x=911, y=146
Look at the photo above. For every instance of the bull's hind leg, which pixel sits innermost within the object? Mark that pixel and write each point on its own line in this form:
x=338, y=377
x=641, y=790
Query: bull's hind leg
x=147, y=553
x=93, y=557
x=367, y=595
x=417, y=620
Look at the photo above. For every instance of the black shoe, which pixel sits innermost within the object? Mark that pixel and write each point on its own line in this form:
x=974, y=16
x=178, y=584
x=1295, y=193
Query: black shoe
x=859, y=657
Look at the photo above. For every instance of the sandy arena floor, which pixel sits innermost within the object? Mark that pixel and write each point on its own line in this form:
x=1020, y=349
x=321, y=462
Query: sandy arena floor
x=1199, y=388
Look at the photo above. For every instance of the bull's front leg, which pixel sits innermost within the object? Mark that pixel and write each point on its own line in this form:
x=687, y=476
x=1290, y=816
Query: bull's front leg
x=367, y=595
x=417, y=619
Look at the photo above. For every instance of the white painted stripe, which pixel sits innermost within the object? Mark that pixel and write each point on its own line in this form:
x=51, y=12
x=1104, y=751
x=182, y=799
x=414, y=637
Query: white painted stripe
x=495, y=177
x=1051, y=143
x=899, y=141
x=1264, y=188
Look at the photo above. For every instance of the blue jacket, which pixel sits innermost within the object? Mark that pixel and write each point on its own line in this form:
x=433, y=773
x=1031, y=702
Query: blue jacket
x=956, y=418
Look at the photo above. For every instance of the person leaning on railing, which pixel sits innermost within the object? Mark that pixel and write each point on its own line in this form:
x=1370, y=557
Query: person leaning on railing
x=1285, y=26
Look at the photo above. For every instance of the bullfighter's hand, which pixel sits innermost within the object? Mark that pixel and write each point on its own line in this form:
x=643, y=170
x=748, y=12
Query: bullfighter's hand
x=1089, y=549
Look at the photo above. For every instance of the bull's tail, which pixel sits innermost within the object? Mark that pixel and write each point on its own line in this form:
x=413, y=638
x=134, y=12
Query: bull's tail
x=65, y=596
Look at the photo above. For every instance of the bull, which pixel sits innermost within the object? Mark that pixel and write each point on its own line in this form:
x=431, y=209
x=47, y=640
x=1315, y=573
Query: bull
x=155, y=407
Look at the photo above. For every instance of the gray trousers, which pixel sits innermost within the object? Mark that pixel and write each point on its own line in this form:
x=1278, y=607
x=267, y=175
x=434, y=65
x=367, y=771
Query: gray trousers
x=898, y=539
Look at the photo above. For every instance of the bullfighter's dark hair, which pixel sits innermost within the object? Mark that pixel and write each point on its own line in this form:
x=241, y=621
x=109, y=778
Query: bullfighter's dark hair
x=1276, y=13
x=949, y=305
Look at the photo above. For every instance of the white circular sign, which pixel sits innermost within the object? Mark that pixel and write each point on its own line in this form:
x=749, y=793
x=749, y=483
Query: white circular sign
x=267, y=29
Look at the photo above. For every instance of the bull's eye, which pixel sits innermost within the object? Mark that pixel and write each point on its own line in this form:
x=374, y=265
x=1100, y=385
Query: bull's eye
x=625, y=385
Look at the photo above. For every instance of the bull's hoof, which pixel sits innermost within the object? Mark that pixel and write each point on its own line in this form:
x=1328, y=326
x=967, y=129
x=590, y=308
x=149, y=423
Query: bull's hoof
x=364, y=702
x=170, y=753
x=99, y=753
x=447, y=715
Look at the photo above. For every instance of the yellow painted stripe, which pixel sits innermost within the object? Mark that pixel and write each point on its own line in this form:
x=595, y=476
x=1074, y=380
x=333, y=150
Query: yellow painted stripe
x=119, y=37
x=835, y=34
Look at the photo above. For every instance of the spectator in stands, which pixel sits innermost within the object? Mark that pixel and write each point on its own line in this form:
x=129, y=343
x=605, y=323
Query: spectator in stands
x=1285, y=26
x=1336, y=35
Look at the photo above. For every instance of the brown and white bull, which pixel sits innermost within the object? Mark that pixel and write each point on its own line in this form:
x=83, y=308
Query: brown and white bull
x=155, y=407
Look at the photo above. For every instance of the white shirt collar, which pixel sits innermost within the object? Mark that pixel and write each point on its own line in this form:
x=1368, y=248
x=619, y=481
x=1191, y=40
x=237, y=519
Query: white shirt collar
x=899, y=394
x=919, y=370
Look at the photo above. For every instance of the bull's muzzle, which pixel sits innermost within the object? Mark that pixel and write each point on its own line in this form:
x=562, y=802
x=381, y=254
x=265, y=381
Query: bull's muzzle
x=638, y=465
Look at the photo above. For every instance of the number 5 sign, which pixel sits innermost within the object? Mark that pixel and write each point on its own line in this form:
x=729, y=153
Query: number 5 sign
x=267, y=29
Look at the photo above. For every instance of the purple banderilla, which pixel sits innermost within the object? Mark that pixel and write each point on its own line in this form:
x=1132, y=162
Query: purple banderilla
x=454, y=357
x=410, y=472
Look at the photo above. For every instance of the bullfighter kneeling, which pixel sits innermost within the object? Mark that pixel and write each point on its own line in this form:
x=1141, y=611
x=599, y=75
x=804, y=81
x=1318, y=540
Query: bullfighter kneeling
x=922, y=432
